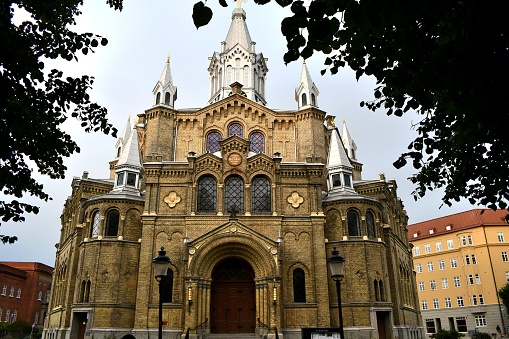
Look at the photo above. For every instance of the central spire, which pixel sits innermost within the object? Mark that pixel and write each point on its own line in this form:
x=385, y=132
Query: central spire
x=238, y=62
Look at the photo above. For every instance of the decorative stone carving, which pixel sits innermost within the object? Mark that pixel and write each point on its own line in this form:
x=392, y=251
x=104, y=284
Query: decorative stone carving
x=295, y=199
x=172, y=199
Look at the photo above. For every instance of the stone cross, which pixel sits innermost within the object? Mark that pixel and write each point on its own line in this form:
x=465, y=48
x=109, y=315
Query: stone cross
x=233, y=210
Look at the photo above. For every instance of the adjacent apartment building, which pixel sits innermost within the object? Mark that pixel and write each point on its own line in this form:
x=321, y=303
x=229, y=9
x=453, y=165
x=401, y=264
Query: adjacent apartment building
x=24, y=292
x=461, y=261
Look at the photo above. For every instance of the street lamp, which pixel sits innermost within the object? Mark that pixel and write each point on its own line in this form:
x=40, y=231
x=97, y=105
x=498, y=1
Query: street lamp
x=336, y=264
x=161, y=263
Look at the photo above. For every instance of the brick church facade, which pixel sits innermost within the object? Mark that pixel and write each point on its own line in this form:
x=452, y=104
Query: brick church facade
x=248, y=202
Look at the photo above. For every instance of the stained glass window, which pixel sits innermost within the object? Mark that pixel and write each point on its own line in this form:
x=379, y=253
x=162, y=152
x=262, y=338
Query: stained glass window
x=234, y=187
x=261, y=195
x=257, y=142
x=213, y=142
x=207, y=190
x=370, y=223
x=235, y=129
x=96, y=221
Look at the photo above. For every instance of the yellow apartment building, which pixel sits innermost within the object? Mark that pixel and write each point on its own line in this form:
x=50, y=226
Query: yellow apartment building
x=460, y=263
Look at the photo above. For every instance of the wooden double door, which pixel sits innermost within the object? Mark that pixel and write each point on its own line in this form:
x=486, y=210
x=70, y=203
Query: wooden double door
x=233, y=298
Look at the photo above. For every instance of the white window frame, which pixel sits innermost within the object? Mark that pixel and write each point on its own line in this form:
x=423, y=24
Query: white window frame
x=427, y=248
x=436, y=304
x=445, y=283
x=500, y=236
x=474, y=259
x=481, y=299
x=430, y=266
x=454, y=263
x=470, y=240
x=418, y=268
x=424, y=305
x=433, y=285
x=467, y=259
x=438, y=246
x=505, y=258
x=447, y=302
x=480, y=321
x=459, y=301
x=470, y=279
x=457, y=281
x=450, y=244
x=441, y=264
x=477, y=279
x=417, y=251
x=421, y=286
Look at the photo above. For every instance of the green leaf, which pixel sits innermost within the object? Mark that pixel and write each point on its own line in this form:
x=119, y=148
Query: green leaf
x=201, y=14
x=223, y=3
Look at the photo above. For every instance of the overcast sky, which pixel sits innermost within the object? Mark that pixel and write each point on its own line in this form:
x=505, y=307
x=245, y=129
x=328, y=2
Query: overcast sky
x=126, y=70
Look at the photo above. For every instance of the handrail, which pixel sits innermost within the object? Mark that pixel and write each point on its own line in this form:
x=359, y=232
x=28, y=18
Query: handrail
x=263, y=325
x=200, y=325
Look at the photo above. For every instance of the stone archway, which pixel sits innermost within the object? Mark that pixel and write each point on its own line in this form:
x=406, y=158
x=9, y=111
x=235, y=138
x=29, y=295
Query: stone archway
x=233, y=298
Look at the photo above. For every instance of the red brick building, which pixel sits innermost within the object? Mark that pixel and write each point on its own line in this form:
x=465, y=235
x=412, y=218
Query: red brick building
x=24, y=291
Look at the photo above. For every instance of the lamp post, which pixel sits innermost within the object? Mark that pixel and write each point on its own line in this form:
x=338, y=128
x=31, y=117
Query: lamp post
x=161, y=262
x=336, y=264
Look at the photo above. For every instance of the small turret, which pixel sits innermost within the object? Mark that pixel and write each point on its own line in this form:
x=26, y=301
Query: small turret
x=339, y=168
x=164, y=91
x=306, y=94
x=350, y=145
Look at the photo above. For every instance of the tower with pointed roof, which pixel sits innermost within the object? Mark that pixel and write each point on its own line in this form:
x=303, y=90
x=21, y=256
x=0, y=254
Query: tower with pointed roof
x=238, y=62
x=248, y=202
x=306, y=94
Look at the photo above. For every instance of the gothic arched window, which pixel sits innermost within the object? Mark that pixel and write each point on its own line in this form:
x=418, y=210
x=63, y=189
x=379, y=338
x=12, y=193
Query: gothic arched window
x=207, y=192
x=304, y=99
x=112, y=223
x=260, y=191
x=167, y=287
x=96, y=222
x=234, y=193
x=299, y=286
x=246, y=76
x=235, y=129
x=167, y=98
x=313, y=99
x=213, y=141
x=353, y=223
x=257, y=142
x=158, y=98
x=370, y=224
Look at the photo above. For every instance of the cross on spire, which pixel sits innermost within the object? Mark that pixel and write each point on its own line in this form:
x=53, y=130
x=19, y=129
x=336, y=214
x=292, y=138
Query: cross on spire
x=239, y=3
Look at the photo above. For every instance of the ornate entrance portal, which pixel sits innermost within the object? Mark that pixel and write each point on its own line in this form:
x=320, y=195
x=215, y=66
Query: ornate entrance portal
x=233, y=299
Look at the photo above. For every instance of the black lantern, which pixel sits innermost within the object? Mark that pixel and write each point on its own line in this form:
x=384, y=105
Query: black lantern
x=161, y=263
x=336, y=265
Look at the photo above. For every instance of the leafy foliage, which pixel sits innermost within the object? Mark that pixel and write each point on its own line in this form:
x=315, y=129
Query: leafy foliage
x=445, y=334
x=447, y=61
x=503, y=293
x=481, y=335
x=19, y=327
x=35, y=102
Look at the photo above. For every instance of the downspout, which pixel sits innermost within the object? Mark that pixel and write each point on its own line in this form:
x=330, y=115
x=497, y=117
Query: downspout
x=494, y=280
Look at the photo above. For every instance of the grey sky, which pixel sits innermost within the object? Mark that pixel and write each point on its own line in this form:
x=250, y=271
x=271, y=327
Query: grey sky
x=126, y=70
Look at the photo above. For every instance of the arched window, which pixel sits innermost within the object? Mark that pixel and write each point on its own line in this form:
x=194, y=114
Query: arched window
x=257, y=142
x=238, y=70
x=87, y=291
x=213, y=141
x=11, y=293
x=234, y=193
x=235, y=129
x=7, y=315
x=336, y=180
x=256, y=80
x=14, y=316
x=377, y=292
x=207, y=192
x=4, y=289
x=260, y=191
x=299, y=286
x=353, y=224
x=96, y=222
x=304, y=99
x=39, y=296
x=313, y=99
x=382, y=292
x=112, y=223
x=158, y=98
x=167, y=287
x=220, y=78
x=82, y=292
x=167, y=98
x=370, y=224
x=118, y=151
x=246, y=76
x=18, y=295
x=229, y=75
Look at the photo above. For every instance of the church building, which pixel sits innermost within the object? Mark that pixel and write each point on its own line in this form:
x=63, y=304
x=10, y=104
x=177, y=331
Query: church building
x=248, y=203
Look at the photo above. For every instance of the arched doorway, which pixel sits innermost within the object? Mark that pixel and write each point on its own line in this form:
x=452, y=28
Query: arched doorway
x=233, y=299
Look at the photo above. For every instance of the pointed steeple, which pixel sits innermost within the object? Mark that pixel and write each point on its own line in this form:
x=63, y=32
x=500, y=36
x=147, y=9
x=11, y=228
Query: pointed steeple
x=128, y=168
x=339, y=168
x=350, y=145
x=165, y=93
x=306, y=94
x=123, y=138
x=238, y=62
x=238, y=32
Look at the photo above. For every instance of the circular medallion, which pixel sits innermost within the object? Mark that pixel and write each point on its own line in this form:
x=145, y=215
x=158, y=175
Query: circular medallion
x=234, y=159
x=192, y=251
x=273, y=251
